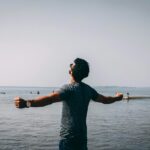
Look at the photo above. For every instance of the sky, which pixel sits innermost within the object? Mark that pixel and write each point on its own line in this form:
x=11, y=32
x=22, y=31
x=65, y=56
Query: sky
x=40, y=38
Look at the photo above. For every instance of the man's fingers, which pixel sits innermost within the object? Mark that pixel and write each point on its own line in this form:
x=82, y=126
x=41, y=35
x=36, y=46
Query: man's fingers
x=17, y=102
x=119, y=94
x=17, y=106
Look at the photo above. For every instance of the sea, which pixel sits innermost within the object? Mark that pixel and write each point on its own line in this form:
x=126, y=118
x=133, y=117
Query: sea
x=123, y=125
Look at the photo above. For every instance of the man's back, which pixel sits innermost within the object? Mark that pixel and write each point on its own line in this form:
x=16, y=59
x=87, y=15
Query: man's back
x=76, y=98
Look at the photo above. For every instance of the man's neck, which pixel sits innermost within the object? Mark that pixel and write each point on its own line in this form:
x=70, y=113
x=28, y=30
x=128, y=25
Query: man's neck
x=72, y=80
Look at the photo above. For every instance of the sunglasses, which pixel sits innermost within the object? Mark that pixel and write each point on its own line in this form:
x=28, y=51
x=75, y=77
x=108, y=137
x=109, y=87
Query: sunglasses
x=71, y=66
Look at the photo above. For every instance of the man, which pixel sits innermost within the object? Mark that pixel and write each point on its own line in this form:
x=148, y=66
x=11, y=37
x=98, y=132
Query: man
x=75, y=97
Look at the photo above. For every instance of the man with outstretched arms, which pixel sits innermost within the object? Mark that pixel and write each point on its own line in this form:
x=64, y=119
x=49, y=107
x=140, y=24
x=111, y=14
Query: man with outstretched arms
x=75, y=97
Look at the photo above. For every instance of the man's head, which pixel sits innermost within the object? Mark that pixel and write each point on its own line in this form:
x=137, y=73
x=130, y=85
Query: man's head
x=79, y=70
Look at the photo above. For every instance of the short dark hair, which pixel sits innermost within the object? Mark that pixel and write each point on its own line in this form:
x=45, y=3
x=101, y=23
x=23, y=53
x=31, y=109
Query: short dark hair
x=80, y=70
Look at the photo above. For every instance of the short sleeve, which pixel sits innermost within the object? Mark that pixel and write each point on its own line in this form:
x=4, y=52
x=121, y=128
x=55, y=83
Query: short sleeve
x=94, y=94
x=64, y=92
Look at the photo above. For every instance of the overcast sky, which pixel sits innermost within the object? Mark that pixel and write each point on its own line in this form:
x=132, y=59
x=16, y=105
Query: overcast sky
x=40, y=38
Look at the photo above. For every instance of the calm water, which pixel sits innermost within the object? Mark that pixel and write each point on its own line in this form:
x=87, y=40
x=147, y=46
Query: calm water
x=119, y=126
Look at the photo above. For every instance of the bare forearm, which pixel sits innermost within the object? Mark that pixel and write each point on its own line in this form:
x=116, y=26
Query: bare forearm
x=41, y=101
x=45, y=100
x=109, y=99
x=38, y=102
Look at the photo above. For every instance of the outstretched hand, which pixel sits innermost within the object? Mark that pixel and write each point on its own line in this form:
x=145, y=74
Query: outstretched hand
x=119, y=96
x=20, y=103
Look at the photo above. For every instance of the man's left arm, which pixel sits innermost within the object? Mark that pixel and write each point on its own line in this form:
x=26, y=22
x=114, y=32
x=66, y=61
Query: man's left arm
x=38, y=102
x=109, y=99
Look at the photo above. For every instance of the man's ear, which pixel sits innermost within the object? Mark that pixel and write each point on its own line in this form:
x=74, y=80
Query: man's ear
x=70, y=72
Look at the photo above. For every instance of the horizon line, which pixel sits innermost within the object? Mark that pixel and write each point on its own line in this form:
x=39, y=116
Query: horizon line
x=29, y=86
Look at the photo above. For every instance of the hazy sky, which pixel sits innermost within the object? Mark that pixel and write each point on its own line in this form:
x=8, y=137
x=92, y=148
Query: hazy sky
x=40, y=38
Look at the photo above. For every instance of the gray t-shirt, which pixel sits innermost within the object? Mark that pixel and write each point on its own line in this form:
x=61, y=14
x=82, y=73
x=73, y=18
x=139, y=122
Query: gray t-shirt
x=75, y=98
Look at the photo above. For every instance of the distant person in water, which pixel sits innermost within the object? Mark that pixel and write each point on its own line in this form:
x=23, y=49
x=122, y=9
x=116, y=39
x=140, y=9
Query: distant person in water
x=128, y=96
x=75, y=97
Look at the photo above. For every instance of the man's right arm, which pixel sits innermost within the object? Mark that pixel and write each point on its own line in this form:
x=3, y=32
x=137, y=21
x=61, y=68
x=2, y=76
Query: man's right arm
x=108, y=99
x=38, y=102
